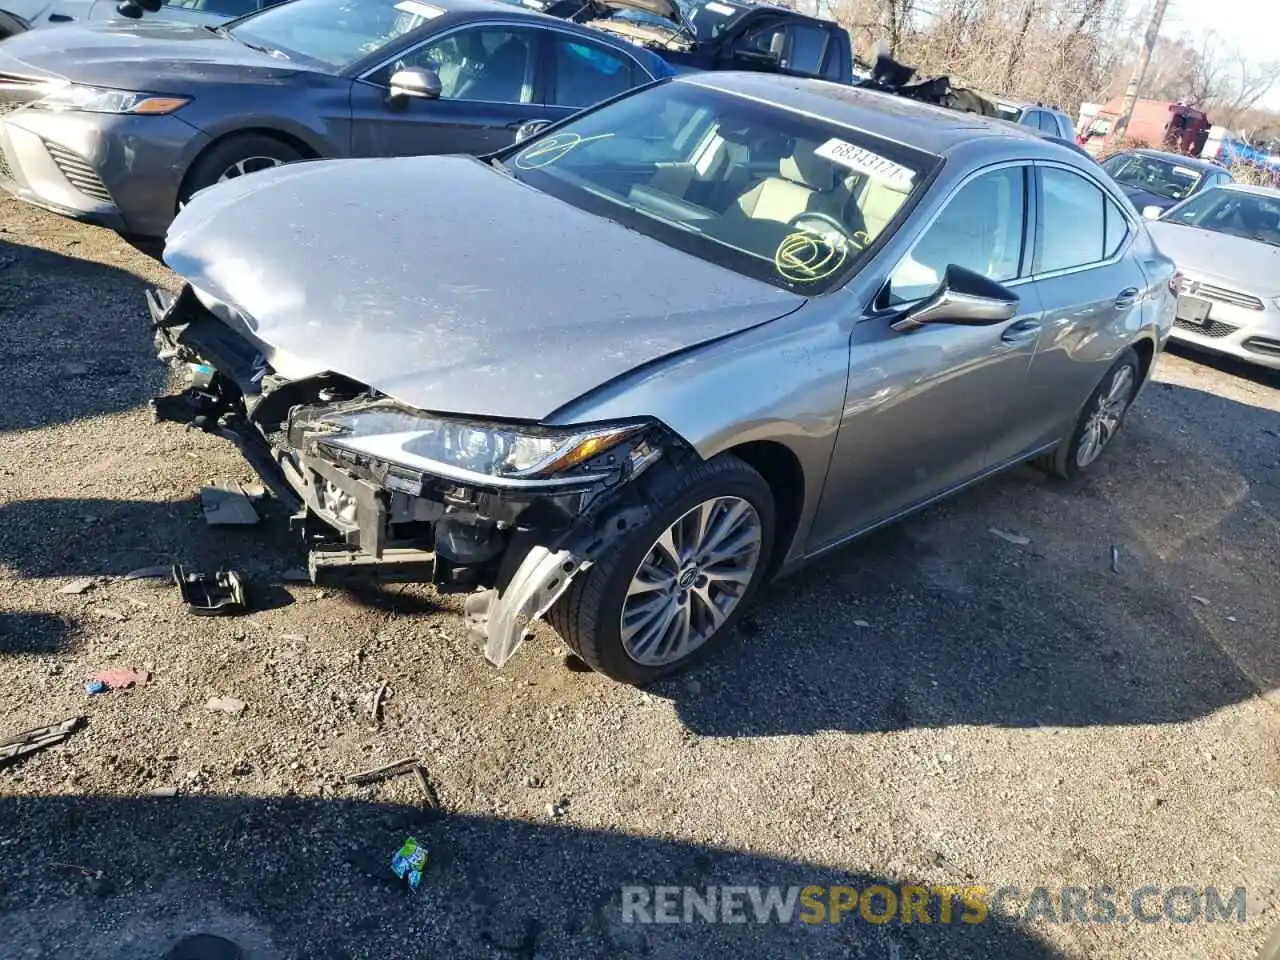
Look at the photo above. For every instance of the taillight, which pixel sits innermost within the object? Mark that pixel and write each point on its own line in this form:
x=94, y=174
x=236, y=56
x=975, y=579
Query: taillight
x=1175, y=283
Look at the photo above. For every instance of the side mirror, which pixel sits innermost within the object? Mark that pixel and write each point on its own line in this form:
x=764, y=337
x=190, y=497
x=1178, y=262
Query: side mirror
x=963, y=297
x=418, y=82
x=531, y=128
x=1151, y=213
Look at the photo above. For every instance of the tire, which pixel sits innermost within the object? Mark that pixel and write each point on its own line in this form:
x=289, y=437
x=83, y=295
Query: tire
x=1065, y=461
x=589, y=615
x=241, y=148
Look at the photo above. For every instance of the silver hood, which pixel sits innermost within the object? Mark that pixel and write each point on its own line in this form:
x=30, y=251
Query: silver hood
x=449, y=286
x=1246, y=265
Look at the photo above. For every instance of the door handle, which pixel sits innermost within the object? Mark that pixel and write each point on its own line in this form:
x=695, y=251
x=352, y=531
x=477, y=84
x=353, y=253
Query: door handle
x=1127, y=298
x=1022, y=333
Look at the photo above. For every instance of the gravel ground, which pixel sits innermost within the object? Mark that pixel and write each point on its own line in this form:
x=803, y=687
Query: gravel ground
x=934, y=704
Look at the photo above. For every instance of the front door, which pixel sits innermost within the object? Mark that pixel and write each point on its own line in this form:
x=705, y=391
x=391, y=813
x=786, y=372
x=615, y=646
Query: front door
x=489, y=87
x=925, y=409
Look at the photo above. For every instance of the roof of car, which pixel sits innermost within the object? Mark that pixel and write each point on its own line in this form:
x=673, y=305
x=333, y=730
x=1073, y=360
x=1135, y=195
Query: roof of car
x=1272, y=192
x=1195, y=163
x=933, y=129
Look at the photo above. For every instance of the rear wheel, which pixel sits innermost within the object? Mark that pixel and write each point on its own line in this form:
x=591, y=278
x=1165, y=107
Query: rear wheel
x=668, y=595
x=1100, y=419
x=235, y=157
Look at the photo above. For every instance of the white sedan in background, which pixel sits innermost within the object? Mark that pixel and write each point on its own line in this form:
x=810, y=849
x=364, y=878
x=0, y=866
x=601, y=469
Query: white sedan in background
x=1226, y=243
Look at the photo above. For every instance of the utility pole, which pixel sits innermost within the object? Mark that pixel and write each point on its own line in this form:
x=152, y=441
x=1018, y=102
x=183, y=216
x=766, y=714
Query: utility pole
x=1139, y=71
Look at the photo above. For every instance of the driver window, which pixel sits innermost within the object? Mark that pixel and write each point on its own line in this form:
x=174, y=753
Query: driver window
x=981, y=229
x=486, y=64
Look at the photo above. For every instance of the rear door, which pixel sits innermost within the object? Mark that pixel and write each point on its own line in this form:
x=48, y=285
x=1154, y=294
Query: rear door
x=580, y=72
x=1092, y=290
x=489, y=82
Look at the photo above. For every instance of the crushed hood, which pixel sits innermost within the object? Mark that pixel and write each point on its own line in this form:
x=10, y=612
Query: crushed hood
x=450, y=286
x=664, y=9
x=1246, y=265
x=151, y=55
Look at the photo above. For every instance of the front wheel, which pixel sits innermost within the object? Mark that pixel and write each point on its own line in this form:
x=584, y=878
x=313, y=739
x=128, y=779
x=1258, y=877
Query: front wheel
x=668, y=595
x=1100, y=419
x=234, y=157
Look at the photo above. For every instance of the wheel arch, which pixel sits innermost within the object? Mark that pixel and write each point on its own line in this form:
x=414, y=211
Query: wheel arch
x=1145, y=348
x=784, y=473
x=305, y=147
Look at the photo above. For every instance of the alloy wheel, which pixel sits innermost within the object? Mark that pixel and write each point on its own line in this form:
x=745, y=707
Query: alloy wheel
x=1104, y=419
x=248, y=165
x=691, y=580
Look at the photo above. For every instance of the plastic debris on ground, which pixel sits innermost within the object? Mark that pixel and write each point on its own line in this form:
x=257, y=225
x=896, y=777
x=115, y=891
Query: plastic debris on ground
x=77, y=587
x=397, y=769
x=227, y=705
x=117, y=678
x=410, y=862
x=206, y=596
x=149, y=573
x=1015, y=538
x=227, y=504
x=28, y=742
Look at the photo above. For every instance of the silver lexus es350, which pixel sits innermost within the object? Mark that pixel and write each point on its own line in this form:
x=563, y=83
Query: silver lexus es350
x=622, y=372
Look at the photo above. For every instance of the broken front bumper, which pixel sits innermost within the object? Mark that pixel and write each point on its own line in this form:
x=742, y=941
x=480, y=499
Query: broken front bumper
x=518, y=548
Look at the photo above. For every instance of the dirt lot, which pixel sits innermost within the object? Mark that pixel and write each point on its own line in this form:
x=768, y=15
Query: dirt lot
x=934, y=705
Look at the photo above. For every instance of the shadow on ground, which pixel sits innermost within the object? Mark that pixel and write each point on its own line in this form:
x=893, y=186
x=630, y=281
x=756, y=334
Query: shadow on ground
x=311, y=878
x=35, y=634
x=72, y=363
x=1256, y=373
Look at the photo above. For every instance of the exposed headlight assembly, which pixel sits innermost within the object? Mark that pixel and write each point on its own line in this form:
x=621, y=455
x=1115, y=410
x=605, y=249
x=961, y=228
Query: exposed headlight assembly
x=470, y=451
x=75, y=96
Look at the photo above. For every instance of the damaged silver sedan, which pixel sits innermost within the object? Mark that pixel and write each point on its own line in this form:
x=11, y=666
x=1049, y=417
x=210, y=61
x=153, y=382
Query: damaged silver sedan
x=623, y=372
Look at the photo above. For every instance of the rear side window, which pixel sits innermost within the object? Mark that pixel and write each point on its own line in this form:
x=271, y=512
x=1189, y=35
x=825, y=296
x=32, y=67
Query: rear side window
x=222, y=8
x=1117, y=228
x=1073, y=231
x=586, y=73
x=807, y=49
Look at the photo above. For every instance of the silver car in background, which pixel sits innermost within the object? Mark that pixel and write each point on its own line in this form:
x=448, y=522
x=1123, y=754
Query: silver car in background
x=1226, y=243
x=624, y=371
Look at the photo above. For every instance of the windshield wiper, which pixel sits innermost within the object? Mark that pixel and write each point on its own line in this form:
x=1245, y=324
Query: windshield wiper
x=499, y=166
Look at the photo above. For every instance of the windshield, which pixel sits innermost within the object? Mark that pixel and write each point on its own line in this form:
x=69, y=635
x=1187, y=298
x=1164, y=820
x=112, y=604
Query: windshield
x=1164, y=178
x=786, y=198
x=1249, y=215
x=710, y=18
x=332, y=33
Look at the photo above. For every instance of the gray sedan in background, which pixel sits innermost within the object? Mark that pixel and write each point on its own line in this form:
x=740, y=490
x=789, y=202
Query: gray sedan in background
x=623, y=372
x=121, y=123
x=1226, y=243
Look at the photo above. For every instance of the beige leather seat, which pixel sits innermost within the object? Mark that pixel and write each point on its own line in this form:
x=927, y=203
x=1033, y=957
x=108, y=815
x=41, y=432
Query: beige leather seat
x=879, y=202
x=804, y=184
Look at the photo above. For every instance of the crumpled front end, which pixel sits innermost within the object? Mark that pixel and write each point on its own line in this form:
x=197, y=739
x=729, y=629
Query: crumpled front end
x=510, y=512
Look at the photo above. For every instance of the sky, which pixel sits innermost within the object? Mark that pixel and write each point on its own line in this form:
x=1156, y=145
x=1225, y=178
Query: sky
x=1252, y=26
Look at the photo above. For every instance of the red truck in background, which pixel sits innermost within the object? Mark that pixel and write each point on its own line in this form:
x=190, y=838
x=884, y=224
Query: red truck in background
x=1161, y=124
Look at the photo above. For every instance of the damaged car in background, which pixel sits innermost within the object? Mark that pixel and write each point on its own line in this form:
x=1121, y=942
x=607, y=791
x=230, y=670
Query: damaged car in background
x=807, y=310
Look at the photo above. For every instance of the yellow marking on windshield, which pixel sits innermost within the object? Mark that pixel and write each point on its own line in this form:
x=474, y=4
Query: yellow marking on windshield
x=551, y=149
x=807, y=256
